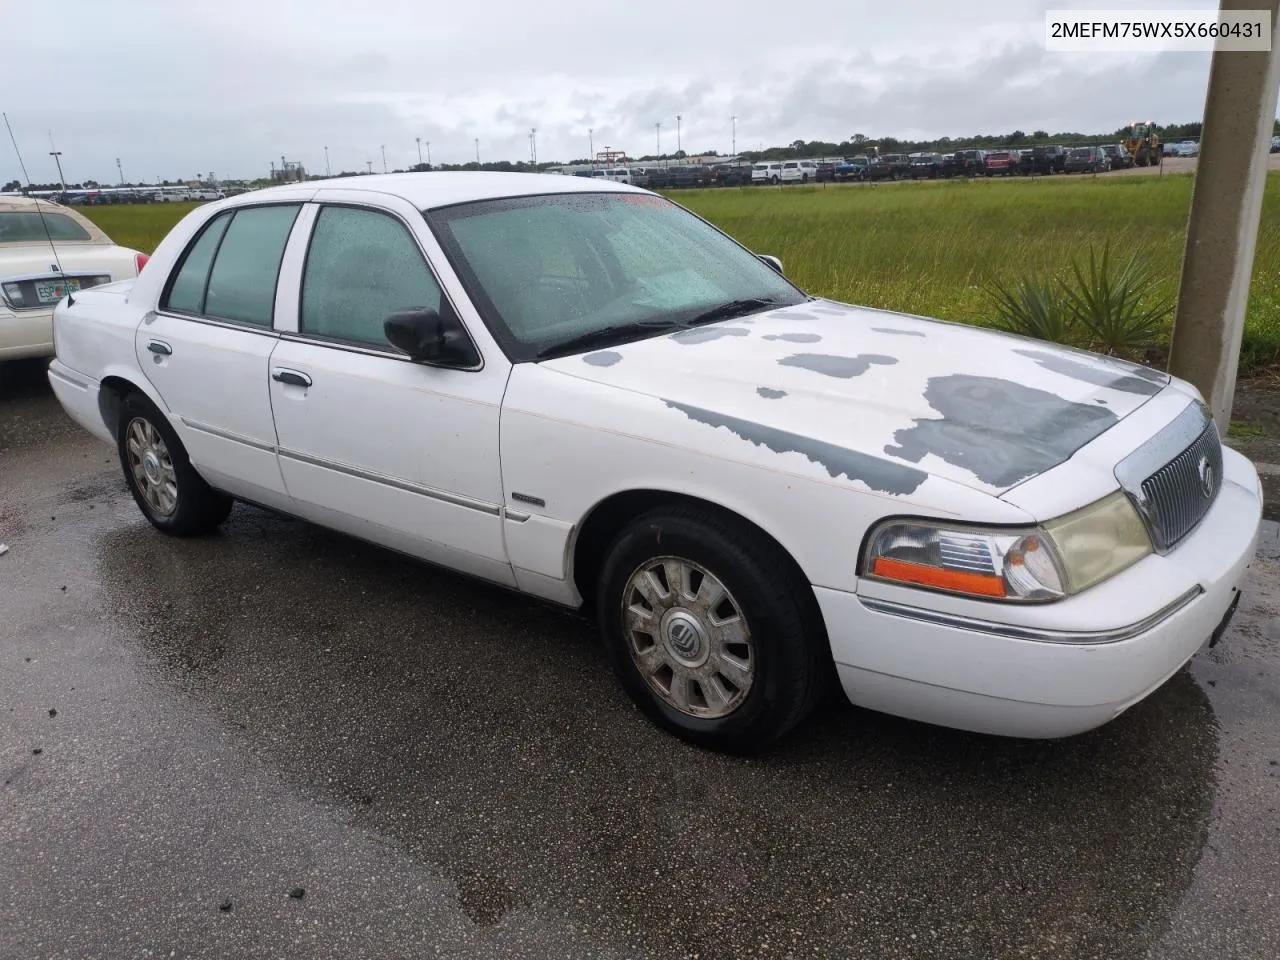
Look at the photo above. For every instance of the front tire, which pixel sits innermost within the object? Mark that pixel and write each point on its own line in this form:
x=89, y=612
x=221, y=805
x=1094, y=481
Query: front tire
x=168, y=490
x=711, y=629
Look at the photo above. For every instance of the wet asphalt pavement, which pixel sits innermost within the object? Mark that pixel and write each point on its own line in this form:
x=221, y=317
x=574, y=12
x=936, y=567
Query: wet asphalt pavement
x=190, y=731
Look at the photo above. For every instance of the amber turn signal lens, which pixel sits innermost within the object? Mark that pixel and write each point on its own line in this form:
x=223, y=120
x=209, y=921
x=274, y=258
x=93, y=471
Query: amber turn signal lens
x=976, y=584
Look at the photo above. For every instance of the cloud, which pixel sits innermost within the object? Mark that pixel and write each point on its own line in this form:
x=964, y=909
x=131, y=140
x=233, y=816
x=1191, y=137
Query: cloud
x=175, y=89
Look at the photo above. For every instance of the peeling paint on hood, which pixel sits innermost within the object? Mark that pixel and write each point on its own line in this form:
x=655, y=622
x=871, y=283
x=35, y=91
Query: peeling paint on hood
x=939, y=397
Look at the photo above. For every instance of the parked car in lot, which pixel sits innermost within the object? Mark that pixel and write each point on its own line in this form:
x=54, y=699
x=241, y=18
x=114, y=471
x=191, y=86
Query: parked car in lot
x=963, y=527
x=826, y=171
x=926, y=166
x=1187, y=148
x=799, y=171
x=47, y=252
x=730, y=175
x=851, y=168
x=1043, y=160
x=1000, y=163
x=1087, y=160
x=965, y=163
x=766, y=173
x=1120, y=158
x=891, y=166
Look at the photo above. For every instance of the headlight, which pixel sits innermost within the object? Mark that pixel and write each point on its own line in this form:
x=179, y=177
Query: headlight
x=1100, y=540
x=1029, y=564
x=992, y=564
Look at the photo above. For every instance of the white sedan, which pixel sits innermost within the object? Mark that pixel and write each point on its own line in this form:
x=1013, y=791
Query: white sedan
x=46, y=252
x=579, y=390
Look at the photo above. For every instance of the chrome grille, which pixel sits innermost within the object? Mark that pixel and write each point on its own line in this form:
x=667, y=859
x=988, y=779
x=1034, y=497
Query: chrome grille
x=1181, y=492
x=1173, y=482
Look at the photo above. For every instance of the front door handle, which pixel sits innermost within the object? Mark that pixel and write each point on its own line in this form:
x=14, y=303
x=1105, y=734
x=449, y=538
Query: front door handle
x=294, y=378
x=160, y=348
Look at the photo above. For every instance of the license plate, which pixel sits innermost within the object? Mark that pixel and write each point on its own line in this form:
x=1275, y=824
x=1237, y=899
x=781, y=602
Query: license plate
x=51, y=291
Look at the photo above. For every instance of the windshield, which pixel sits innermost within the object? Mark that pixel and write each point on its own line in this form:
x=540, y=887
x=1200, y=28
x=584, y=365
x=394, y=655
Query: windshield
x=1080, y=152
x=26, y=227
x=551, y=269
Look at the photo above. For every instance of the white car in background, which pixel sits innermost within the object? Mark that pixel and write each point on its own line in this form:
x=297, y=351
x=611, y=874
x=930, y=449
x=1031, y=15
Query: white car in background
x=46, y=252
x=799, y=171
x=766, y=173
x=580, y=390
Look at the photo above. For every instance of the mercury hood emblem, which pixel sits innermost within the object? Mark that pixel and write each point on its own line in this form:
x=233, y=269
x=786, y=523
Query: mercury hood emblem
x=1205, y=469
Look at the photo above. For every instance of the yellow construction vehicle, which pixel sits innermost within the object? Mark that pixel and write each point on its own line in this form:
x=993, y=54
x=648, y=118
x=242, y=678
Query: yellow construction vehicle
x=1143, y=144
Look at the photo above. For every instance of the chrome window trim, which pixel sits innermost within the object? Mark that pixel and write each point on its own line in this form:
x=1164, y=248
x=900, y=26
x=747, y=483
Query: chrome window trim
x=217, y=322
x=456, y=500
x=1036, y=634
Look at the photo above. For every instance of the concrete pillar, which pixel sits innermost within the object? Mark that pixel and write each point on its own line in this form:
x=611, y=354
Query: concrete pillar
x=1226, y=204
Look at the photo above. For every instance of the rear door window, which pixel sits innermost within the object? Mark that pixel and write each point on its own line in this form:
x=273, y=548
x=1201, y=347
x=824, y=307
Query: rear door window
x=231, y=271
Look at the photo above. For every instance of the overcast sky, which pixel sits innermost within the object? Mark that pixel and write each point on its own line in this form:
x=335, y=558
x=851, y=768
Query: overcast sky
x=181, y=87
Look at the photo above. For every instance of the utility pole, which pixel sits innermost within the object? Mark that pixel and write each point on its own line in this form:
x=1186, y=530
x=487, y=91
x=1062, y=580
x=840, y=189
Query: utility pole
x=418, y=140
x=120, y=170
x=57, y=158
x=1226, y=205
x=657, y=136
x=734, y=147
x=678, y=146
x=327, y=172
x=384, y=158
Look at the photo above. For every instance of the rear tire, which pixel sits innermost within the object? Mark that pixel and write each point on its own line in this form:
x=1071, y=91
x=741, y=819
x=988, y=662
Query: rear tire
x=168, y=490
x=712, y=630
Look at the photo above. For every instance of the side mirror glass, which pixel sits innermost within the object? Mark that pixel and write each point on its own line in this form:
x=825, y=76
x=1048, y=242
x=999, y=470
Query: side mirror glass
x=427, y=337
x=771, y=261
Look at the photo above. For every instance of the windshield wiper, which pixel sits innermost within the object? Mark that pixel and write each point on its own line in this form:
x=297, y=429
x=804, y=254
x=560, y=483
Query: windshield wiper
x=622, y=332
x=734, y=308
x=619, y=332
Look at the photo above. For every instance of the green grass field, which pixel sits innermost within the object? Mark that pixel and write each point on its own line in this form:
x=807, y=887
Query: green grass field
x=930, y=248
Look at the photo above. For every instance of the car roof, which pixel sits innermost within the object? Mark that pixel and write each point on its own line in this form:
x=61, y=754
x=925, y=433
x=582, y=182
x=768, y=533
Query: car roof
x=440, y=188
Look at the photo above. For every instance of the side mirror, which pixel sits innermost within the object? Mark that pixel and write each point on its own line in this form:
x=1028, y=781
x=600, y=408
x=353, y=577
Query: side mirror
x=771, y=261
x=428, y=337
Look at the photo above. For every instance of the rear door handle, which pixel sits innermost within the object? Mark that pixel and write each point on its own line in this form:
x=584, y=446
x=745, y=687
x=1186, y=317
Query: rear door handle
x=160, y=347
x=294, y=378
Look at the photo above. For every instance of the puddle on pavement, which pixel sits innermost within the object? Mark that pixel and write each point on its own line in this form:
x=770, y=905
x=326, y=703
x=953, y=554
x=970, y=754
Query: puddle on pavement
x=484, y=734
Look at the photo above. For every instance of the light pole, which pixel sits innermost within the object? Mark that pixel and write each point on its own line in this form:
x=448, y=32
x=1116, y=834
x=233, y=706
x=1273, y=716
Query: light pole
x=533, y=146
x=327, y=172
x=591, y=144
x=734, y=147
x=57, y=158
x=678, y=147
x=120, y=170
x=369, y=164
x=477, y=151
x=428, y=153
x=384, y=158
x=418, y=141
x=657, y=136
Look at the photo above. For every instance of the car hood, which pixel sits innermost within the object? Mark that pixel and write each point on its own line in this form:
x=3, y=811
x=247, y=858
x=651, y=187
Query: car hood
x=981, y=408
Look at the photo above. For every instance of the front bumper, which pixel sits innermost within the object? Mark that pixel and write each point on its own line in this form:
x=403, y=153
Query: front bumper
x=25, y=333
x=1047, y=678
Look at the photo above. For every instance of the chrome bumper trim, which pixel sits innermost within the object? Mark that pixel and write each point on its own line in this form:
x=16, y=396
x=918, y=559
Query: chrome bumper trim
x=1037, y=634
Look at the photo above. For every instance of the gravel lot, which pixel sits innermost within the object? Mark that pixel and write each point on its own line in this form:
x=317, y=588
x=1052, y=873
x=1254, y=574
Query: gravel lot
x=193, y=731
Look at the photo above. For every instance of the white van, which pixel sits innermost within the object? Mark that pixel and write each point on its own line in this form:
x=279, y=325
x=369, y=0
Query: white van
x=766, y=173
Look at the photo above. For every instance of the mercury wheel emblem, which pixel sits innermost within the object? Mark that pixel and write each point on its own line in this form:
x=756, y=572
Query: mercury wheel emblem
x=1205, y=469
